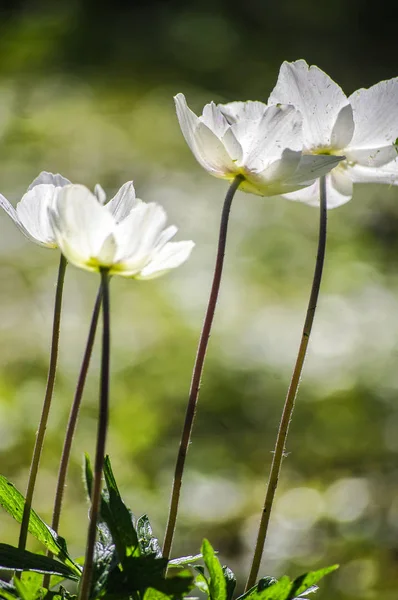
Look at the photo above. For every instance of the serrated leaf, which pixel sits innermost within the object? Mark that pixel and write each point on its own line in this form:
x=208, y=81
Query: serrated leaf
x=303, y=584
x=230, y=581
x=149, y=544
x=23, y=560
x=217, y=583
x=13, y=502
x=105, y=560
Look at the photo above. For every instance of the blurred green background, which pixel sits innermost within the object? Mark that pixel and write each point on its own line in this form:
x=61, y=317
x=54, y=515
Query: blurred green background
x=86, y=90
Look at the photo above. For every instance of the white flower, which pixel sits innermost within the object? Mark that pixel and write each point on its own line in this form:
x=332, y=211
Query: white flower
x=263, y=144
x=31, y=214
x=363, y=128
x=94, y=238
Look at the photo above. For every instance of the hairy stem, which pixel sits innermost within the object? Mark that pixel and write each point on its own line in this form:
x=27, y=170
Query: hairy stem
x=73, y=416
x=198, y=370
x=101, y=441
x=292, y=393
x=34, y=466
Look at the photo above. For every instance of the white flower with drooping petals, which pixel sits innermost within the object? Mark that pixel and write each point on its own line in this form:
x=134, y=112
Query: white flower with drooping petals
x=31, y=214
x=362, y=127
x=262, y=144
x=95, y=238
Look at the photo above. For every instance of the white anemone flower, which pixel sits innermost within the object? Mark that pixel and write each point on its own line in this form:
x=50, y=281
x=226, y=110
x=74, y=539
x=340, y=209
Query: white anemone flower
x=260, y=143
x=94, y=238
x=31, y=214
x=362, y=127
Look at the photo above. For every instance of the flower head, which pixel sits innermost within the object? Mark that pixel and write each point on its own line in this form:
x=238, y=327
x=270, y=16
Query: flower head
x=31, y=212
x=95, y=237
x=362, y=127
x=261, y=143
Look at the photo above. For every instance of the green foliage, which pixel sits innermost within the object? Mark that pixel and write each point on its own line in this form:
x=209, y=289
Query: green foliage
x=13, y=502
x=23, y=560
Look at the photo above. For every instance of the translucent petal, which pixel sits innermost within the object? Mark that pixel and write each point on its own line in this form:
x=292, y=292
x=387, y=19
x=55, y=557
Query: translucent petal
x=100, y=193
x=343, y=129
x=49, y=178
x=82, y=226
x=122, y=203
x=246, y=111
x=375, y=115
x=315, y=95
x=373, y=157
x=214, y=119
x=32, y=212
x=312, y=166
x=310, y=195
x=172, y=255
x=387, y=174
x=208, y=150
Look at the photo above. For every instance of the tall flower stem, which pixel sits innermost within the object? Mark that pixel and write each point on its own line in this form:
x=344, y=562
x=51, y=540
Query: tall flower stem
x=198, y=369
x=34, y=466
x=73, y=416
x=101, y=440
x=292, y=392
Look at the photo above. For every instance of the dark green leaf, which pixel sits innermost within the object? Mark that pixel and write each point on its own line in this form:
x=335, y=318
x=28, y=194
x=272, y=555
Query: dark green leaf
x=149, y=544
x=23, y=560
x=217, y=583
x=152, y=594
x=105, y=560
x=304, y=583
x=13, y=502
x=230, y=581
x=88, y=475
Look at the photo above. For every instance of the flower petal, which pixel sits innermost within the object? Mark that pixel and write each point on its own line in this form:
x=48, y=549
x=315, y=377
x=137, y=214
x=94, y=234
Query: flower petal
x=313, y=166
x=172, y=255
x=315, y=95
x=252, y=110
x=334, y=197
x=373, y=157
x=49, y=178
x=100, y=193
x=208, y=150
x=32, y=212
x=214, y=119
x=82, y=227
x=375, y=115
x=387, y=174
x=343, y=129
x=123, y=202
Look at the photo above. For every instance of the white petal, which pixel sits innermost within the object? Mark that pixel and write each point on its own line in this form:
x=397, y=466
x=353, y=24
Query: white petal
x=315, y=95
x=32, y=211
x=375, y=115
x=206, y=147
x=49, y=178
x=214, y=119
x=313, y=166
x=123, y=202
x=264, y=141
x=10, y=210
x=271, y=181
x=172, y=255
x=387, y=174
x=310, y=195
x=138, y=235
x=374, y=157
x=343, y=129
x=246, y=111
x=100, y=193
x=82, y=226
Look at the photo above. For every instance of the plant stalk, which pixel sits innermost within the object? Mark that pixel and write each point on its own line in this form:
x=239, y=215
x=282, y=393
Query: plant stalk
x=292, y=393
x=85, y=584
x=198, y=369
x=34, y=466
x=71, y=427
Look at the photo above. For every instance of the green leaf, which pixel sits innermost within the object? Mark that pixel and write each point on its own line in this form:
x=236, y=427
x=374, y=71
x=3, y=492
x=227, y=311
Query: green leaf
x=88, y=475
x=13, y=502
x=184, y=560
x=304, y=583
x=149, y=544
x=230, y=581
x=105, y=561
x=152, y=594
x=8, y=591
x=217, y=583
x=23, y=560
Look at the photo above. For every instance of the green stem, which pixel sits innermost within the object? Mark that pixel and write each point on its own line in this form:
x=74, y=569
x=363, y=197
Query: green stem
x=198, y=370
x=34, y=467
x=73, y=416
x=291, y=394
x=101, y=441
